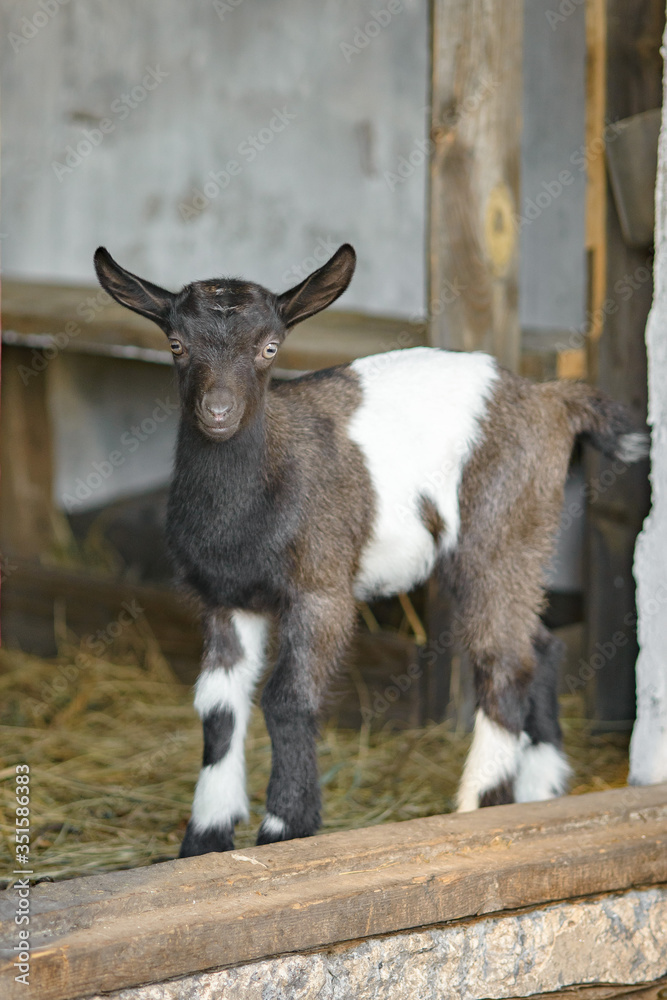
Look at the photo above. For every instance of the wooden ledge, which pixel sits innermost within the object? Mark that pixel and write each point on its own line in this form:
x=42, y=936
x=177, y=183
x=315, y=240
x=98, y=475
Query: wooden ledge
x=33, y=314
x=105, y=932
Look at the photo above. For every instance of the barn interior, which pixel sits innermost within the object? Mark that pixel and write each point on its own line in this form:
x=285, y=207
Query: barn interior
x=495, y=203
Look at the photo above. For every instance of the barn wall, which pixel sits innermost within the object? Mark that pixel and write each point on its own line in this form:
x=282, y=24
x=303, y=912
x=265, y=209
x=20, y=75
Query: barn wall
x=313, y=103
x=648, y=750
x=349, y=165
x=340, y=169
x=116, y=424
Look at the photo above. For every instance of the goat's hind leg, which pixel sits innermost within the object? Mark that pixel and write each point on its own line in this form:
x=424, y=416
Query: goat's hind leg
x=516, y=753
x=233, y=660
x=497, y=636
x=543, y=768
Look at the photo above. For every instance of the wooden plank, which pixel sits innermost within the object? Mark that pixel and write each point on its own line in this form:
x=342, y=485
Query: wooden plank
x=84, y=319
x=617, y=363
x=474, y=176
x=77, y=314
x=107, y=932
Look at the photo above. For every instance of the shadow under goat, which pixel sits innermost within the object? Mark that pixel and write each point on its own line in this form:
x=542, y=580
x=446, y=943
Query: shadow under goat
x=292, y=500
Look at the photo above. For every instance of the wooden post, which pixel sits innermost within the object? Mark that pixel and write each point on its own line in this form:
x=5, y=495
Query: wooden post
x=617, y=354
x=475, y=157
x=473, y=235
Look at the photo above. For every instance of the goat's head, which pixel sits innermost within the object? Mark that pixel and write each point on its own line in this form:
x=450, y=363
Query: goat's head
x=225, y=333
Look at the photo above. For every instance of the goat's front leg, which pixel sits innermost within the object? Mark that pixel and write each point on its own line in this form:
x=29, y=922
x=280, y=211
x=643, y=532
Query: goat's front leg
x=314, y=634
x=234, y=657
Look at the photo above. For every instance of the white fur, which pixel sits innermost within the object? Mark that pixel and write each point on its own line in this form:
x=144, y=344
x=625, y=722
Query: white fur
x=632, y=447
x=416, y=427
x=543, y=773
x=492, y=759
x=220, y=796
x=273, y=825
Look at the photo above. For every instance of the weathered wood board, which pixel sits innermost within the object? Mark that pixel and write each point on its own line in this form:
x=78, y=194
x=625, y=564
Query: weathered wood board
x=109, y=931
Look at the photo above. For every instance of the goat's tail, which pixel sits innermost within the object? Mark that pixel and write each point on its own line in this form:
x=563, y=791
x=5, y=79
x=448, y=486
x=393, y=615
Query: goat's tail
x=604, y=423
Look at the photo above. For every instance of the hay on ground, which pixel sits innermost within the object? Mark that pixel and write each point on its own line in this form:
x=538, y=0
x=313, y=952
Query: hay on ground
x=114, y=747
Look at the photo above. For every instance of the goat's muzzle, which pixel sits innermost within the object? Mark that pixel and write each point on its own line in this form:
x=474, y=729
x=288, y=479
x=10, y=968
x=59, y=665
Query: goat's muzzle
x=219, y=414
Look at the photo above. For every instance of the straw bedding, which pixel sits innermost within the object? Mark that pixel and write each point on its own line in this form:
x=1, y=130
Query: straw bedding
x=114, y=746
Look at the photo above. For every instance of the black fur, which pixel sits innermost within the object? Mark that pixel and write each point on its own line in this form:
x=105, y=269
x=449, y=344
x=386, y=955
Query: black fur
x=501, y=795
x=218, y=732
x=239, y=560
x=197, y=842
x=542, y=720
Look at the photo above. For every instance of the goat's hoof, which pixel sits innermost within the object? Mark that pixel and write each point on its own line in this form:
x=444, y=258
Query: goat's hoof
x=196, y=842
x=272, y=830
x=275, y=829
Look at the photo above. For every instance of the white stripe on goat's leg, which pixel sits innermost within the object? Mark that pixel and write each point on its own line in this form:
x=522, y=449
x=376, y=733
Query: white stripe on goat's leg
x=233, y=661
x=491, y=765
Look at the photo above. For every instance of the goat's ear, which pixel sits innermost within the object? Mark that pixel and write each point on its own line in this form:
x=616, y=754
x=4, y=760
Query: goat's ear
x=319, y=289
x=141, y=296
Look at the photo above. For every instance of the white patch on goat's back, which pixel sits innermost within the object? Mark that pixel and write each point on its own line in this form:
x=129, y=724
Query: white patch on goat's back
x=220, y=796
x=416, y=426
x=493, y=758
x=543, y=773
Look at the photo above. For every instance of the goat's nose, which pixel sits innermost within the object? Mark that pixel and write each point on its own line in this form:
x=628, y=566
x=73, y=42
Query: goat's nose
x=218, y=404
x=218, y=409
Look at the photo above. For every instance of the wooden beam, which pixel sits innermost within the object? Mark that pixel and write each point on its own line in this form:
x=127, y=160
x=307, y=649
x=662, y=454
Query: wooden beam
x=474, y=177
x=83, y=319
x=106, y=932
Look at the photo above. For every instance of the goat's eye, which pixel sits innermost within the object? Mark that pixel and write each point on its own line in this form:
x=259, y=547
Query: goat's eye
x=176, y=347
x=270, y=351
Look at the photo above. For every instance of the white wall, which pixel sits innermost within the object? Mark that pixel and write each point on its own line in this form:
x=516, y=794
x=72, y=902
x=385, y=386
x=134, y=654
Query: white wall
x=648, y=749
x=320, y=179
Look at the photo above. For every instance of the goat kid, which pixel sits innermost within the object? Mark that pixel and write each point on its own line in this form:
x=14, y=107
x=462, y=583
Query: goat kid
x=291, y=500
